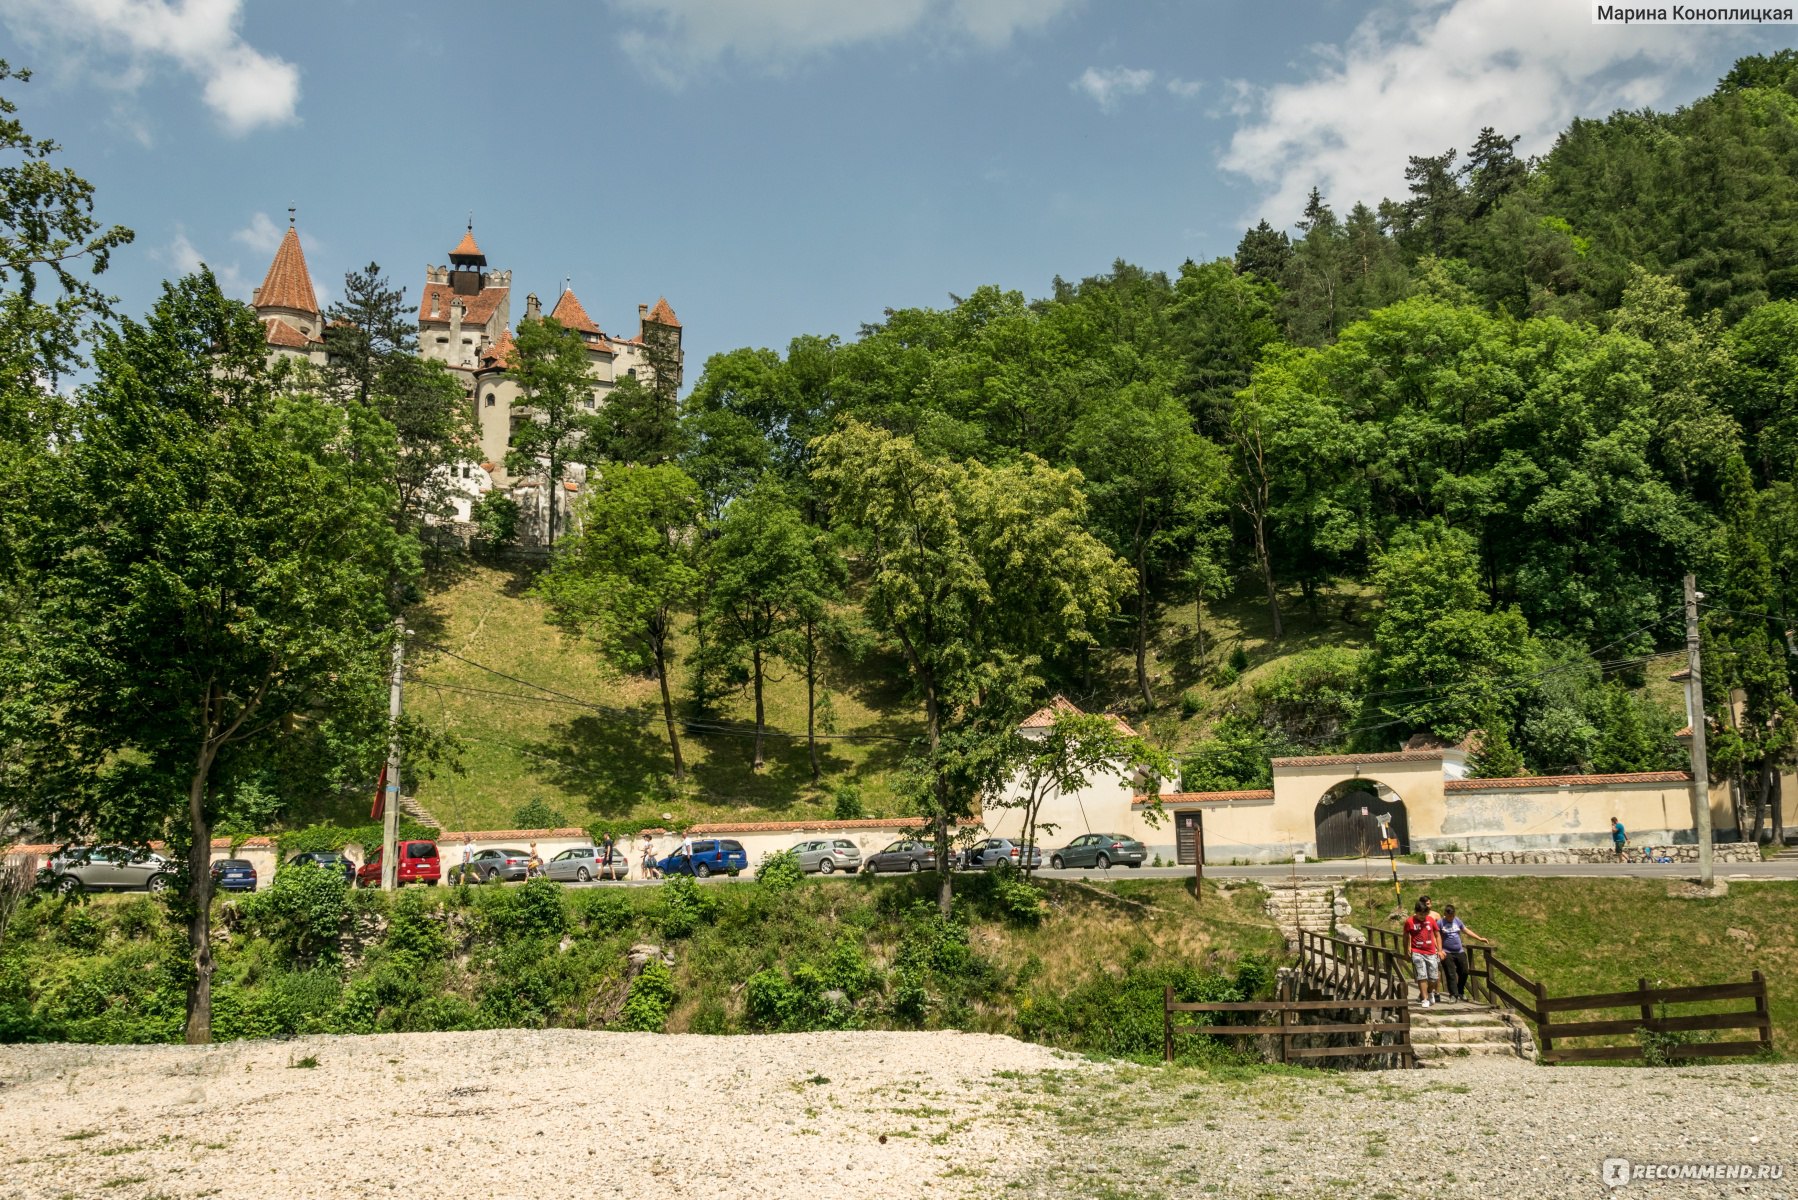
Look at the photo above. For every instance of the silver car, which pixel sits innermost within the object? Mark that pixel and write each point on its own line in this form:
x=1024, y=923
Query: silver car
x=97, y=868
x=582, y=863
x=828, y=855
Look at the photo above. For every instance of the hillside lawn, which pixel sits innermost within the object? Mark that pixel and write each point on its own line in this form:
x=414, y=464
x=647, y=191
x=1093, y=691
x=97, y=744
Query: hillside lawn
x=595, y=750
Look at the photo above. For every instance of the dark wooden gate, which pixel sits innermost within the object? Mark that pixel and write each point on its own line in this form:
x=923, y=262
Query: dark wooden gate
x=1347, y=828
x=1186, y=828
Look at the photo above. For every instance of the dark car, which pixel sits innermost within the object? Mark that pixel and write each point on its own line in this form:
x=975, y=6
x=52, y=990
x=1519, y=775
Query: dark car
x=710, y=856
x=234, y=875
x=999, y=852
x=1100, y=850
x=904, y=855
x=417, y=862
x=330, y=860
x=488, y=865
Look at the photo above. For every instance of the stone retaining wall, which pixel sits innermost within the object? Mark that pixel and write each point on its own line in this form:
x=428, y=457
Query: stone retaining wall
x=1723, y=852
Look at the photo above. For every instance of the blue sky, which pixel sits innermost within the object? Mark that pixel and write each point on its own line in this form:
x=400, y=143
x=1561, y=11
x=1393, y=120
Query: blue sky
x=777, y=167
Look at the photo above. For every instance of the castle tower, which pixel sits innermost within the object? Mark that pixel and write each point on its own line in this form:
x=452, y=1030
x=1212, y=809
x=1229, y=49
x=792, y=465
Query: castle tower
x=286, y=302
x=464, y=309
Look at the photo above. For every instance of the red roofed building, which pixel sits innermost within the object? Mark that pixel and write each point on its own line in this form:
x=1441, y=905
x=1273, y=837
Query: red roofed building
x=287, y=303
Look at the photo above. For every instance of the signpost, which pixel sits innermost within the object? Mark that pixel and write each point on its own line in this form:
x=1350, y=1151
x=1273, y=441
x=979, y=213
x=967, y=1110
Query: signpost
x=1389, y=844
x=1195, y=824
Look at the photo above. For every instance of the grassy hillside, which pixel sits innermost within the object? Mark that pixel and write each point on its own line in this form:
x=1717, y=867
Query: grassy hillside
x=589, y=742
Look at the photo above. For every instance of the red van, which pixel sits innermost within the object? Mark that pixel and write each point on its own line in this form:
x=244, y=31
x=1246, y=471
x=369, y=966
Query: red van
x=418, y=864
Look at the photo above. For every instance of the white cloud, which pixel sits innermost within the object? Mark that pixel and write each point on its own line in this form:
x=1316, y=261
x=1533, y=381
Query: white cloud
x=182, y=257
x=244, y=87
x=1419, y=76
x=1107, y=84
x=1186, y=89
x=674, y=39
x=260, y=234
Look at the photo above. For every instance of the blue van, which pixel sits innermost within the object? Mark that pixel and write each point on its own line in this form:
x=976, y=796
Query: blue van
x=711, y=856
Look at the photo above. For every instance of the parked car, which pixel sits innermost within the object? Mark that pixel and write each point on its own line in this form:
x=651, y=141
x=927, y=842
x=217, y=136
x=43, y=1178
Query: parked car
x=828, y=855
x=582, y=863
x=417, y=863
x=488, y=865
x=234, y=875
x=999, y=852
x=1100, y=850
x=99, y=868
x=331, y=860
x=710, y=856
x=904, y=855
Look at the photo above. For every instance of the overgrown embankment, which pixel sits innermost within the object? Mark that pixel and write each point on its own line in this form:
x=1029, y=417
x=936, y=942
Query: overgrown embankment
x=1073, y=965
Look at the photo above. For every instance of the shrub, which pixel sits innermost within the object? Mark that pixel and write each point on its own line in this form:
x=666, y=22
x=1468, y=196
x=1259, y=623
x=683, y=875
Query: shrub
x=1239, y=659
x=1019, y=900
x=415, y=929
x=301, y=912
x=1191, y=703
x=535, y=814
x=532, y=911
x=774, y=1002
x=651, y=997
x=779, y=872
x=685, y=907
x=1122, y=1015
x=81, y=930
x=846, y=798
x=495, y=518
x=602, y=910
x=139, y=917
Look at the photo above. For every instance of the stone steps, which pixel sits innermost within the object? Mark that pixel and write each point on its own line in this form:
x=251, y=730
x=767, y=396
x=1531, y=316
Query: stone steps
x=1461, y=1031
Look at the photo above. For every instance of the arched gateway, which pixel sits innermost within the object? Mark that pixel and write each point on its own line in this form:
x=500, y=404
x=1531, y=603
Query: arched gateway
x=1347, y=819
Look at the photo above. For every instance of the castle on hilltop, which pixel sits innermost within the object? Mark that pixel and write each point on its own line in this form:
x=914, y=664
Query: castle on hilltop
x=465, y=323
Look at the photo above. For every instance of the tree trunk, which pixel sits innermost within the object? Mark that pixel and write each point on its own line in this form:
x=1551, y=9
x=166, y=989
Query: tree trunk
x=555, y=485
x=1198, y=624
x=680, y=768
x=755, y=660
x=1267, y=574
x=945, y=886
x=1142, y=626
x=811, y=699
x=1776, y=794
x=199, y=902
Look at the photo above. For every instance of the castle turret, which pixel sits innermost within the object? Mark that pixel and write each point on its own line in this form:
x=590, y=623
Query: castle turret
x=286, y=302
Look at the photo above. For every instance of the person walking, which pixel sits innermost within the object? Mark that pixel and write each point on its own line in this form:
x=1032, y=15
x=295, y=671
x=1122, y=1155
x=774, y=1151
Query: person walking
x=606, y=847
x=1455, y=965
x=467, y=859
x=1423, y=934
x=1619, y=839
x=649, y=859
x=533, y=866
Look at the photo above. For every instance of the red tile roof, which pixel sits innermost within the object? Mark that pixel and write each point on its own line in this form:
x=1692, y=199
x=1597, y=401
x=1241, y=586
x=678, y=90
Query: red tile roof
x=478, y=309
x=1684, y=733
x=466, y=247
x=288, y=284
x=498, y=356
x=817, y=826
x=1203, y=797
x=280, y=333
x=1681, y=675
x=1354, y=760
x=661, y=314
x=1045, y=716
x=509, y=835
x=1559, y=781
x=569, y=312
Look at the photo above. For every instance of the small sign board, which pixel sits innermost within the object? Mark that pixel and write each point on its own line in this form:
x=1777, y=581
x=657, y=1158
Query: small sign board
x=1389, y=843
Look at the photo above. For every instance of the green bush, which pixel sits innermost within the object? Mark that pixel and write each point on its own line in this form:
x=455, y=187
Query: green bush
x=82, y=930
x=846, y=801
x=536, y=814
x=602, y=910
x=685, y=906
x=651, y=997
x=1020, y=901
x=301, y=912
x=532, y=911
x=779, y=872
x=1122, y=1015
x=1191, y=703
x=1239, y=659
x=415, y=928
x=139, y=917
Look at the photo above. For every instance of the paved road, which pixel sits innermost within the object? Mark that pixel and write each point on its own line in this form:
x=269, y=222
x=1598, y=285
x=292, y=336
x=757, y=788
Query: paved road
x=1353, y=870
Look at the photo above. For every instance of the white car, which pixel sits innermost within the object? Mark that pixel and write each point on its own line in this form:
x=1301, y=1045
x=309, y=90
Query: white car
x=829, y=855
x=578, y=864
x=97, y=868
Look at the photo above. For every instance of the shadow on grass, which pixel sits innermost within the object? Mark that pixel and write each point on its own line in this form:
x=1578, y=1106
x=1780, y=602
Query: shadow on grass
x=611, y=762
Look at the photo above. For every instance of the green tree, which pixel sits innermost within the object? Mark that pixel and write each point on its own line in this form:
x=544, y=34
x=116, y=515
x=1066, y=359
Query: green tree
x=549, y=363
x=1442, y=659
x=211, y=564
x=1154, y=485
x=976, y=574
x=1065, y=757
x=622, y=578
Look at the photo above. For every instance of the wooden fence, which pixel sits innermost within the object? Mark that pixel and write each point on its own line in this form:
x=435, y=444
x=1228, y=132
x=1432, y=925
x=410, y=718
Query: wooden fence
x=1289, y=1024
x=1496, y=982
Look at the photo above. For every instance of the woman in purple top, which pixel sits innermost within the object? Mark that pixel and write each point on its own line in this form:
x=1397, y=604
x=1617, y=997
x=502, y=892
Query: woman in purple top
x=1454, y=953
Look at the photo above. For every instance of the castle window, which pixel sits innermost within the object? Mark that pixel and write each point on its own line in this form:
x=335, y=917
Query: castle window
x=489, y=399
x=443, y=341
x=632, y=372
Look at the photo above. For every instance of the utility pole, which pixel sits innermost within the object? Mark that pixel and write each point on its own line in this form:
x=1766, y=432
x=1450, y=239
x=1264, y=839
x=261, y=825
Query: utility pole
x=390, y=797
x=1701, y=771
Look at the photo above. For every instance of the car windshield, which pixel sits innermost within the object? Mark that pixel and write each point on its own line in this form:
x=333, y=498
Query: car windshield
x=895, y=848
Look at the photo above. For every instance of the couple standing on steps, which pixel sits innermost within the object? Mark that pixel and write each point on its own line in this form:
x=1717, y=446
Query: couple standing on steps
x=1437, y=951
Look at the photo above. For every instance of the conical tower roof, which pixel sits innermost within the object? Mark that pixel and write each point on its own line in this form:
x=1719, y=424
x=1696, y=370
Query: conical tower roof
x=288, y=284
x=662, y=314
x=466, y=250
x=569, y=313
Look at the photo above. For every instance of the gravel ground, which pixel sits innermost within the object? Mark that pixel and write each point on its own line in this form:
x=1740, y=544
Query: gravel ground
x=868, y=1114
x=1485, y=1127
x=961, y=1114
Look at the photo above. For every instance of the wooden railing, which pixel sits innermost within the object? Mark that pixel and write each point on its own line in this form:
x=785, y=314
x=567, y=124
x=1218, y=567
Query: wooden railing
x=1359, y=970
x=1493, y=980
x=1375, y=1037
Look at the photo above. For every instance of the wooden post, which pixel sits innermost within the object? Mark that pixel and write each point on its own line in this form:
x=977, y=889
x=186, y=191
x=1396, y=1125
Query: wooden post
x=1760, y=1008
x=1548, y=1043
x=1284, y=1043
x=1701, y=777
x=1167, y=1023
x=1198, y=856
x=1647, y=1005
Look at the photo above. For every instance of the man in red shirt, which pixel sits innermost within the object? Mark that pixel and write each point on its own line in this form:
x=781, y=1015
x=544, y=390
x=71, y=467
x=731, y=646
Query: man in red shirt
x=1424, y=937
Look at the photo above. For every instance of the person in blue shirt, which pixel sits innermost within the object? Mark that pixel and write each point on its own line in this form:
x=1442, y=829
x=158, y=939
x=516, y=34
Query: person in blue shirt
x=1455, y=966
x=1618, y=838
